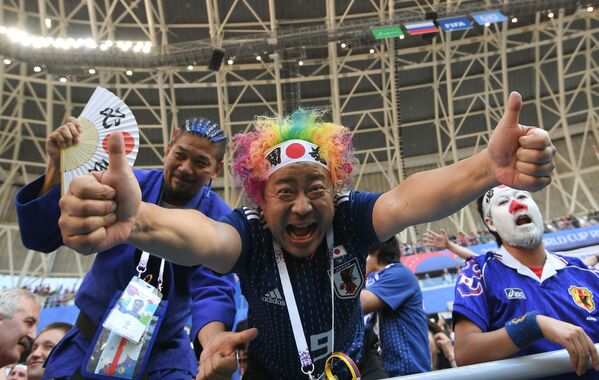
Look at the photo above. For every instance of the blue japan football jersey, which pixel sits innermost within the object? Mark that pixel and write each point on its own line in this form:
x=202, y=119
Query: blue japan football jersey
x=495, y=288
x=403, y=330
x=275, y=348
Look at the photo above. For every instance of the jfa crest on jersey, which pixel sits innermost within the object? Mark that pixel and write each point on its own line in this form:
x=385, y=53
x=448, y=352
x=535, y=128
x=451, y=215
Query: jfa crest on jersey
x=582, y=297
x=348, y=279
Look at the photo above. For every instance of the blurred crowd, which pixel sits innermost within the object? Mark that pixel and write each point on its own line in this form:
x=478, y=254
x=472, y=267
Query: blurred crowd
x=53, y=296
x=482, y=237
x=571, y=221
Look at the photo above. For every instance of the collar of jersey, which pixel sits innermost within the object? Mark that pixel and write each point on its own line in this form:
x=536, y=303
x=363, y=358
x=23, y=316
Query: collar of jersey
x=552, y=265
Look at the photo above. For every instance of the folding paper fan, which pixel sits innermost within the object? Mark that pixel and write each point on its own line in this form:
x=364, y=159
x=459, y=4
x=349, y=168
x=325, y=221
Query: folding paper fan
x=103, y=114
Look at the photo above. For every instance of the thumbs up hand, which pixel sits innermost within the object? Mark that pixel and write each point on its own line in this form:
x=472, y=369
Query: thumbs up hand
x=99, y=209
x=521, y=156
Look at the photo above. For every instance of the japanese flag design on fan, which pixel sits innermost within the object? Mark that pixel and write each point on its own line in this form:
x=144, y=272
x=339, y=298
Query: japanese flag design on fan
x=104, y=113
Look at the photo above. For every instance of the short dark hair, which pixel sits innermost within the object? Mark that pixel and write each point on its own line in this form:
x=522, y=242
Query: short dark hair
x=206, y=129
x=387, y=252
x=479, y=207
x=63, y=326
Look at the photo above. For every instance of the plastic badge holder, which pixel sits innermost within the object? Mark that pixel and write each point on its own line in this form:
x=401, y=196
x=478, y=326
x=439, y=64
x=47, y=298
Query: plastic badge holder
x=113, y=356
x=134, y=310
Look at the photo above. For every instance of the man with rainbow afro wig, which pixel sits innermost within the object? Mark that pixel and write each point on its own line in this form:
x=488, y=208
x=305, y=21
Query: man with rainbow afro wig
x=300, y=252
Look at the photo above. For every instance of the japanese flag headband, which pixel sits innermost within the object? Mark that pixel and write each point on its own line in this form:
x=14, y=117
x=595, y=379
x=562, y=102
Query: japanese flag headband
x=293, y=151
x=489, y=195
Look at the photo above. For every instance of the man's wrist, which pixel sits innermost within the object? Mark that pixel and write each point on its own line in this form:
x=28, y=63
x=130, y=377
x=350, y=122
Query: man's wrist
x=52, y=177
x=487, y=174
x=525, y=330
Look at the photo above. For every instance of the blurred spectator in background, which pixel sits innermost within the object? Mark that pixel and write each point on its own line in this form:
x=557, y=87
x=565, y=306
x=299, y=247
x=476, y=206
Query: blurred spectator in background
x=442, y=356
x=19, y=313
x=393, y=295
x=574, y=221
x=447, y=277
x=439, y=240
x=18, y=372
x=472, y=238
x=42, y=346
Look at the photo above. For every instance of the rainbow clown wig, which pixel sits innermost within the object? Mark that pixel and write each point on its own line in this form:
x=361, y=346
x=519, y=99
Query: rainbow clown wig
x=333, y=144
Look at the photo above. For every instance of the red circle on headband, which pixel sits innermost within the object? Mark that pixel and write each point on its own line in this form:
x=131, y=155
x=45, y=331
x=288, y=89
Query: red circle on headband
x=129, y=142
x=295, y=150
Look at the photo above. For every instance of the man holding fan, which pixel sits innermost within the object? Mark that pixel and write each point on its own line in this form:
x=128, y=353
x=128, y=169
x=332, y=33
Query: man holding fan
x=192, y=159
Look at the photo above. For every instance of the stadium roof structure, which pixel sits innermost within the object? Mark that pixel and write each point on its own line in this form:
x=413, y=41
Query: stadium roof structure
x=412, y=104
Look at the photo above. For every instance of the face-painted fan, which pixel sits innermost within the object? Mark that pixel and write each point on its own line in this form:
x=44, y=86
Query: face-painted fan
x=103, y=114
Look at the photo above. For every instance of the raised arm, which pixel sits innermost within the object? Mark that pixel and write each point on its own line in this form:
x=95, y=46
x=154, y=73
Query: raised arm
x=62, y=137
x=517, y=156
x=91, y=221
x=440, y=240
x=37, y=202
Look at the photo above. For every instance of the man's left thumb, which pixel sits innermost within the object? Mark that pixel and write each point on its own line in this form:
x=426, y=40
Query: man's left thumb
x=511, y=116
x=116, y=153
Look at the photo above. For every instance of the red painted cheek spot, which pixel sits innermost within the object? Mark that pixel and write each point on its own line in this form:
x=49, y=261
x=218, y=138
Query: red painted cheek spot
x=295, y=150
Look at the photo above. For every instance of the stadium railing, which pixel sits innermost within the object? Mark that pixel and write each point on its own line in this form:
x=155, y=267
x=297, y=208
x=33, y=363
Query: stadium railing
x=525, y=367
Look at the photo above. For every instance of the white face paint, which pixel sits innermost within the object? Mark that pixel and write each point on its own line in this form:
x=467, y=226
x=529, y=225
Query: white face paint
x=516, y=218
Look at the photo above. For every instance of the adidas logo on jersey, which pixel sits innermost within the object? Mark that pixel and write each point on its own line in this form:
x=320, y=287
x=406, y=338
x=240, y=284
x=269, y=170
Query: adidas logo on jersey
x=274, y=296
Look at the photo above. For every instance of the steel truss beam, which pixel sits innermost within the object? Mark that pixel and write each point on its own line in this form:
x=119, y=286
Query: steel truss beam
x=452, y=93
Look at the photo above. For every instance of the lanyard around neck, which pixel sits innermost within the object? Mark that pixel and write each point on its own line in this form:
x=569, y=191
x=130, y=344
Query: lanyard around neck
x=145, y=256
x=307, y=366
x=143, y=264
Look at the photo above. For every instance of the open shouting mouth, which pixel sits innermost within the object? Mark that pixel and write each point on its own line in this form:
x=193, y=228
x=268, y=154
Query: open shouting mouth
x=301, y=232
x=523, y=219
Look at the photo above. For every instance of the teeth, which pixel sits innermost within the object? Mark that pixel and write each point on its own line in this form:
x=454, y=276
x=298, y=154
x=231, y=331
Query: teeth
x=295, y=236
x=301, y=225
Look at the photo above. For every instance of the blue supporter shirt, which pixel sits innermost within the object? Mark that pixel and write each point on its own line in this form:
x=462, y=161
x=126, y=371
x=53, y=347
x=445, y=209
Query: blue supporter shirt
x=204, y=293
x=495, y=288
x=403, y=331
x=275, y=348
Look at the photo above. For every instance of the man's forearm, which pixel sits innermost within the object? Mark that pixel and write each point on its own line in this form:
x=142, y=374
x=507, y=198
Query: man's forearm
x=185, y=237
x=446, y=190
x=479, y=347
x=462, y=252
x=432, y=195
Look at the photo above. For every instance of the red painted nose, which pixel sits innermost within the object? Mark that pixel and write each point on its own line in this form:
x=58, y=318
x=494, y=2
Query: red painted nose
x=516, y=206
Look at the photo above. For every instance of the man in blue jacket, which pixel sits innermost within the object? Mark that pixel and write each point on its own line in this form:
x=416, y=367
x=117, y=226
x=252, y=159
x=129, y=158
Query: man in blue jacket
x=192, y=159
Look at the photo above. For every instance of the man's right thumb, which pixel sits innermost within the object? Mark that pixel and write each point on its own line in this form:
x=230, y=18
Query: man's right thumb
x=116, y=152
